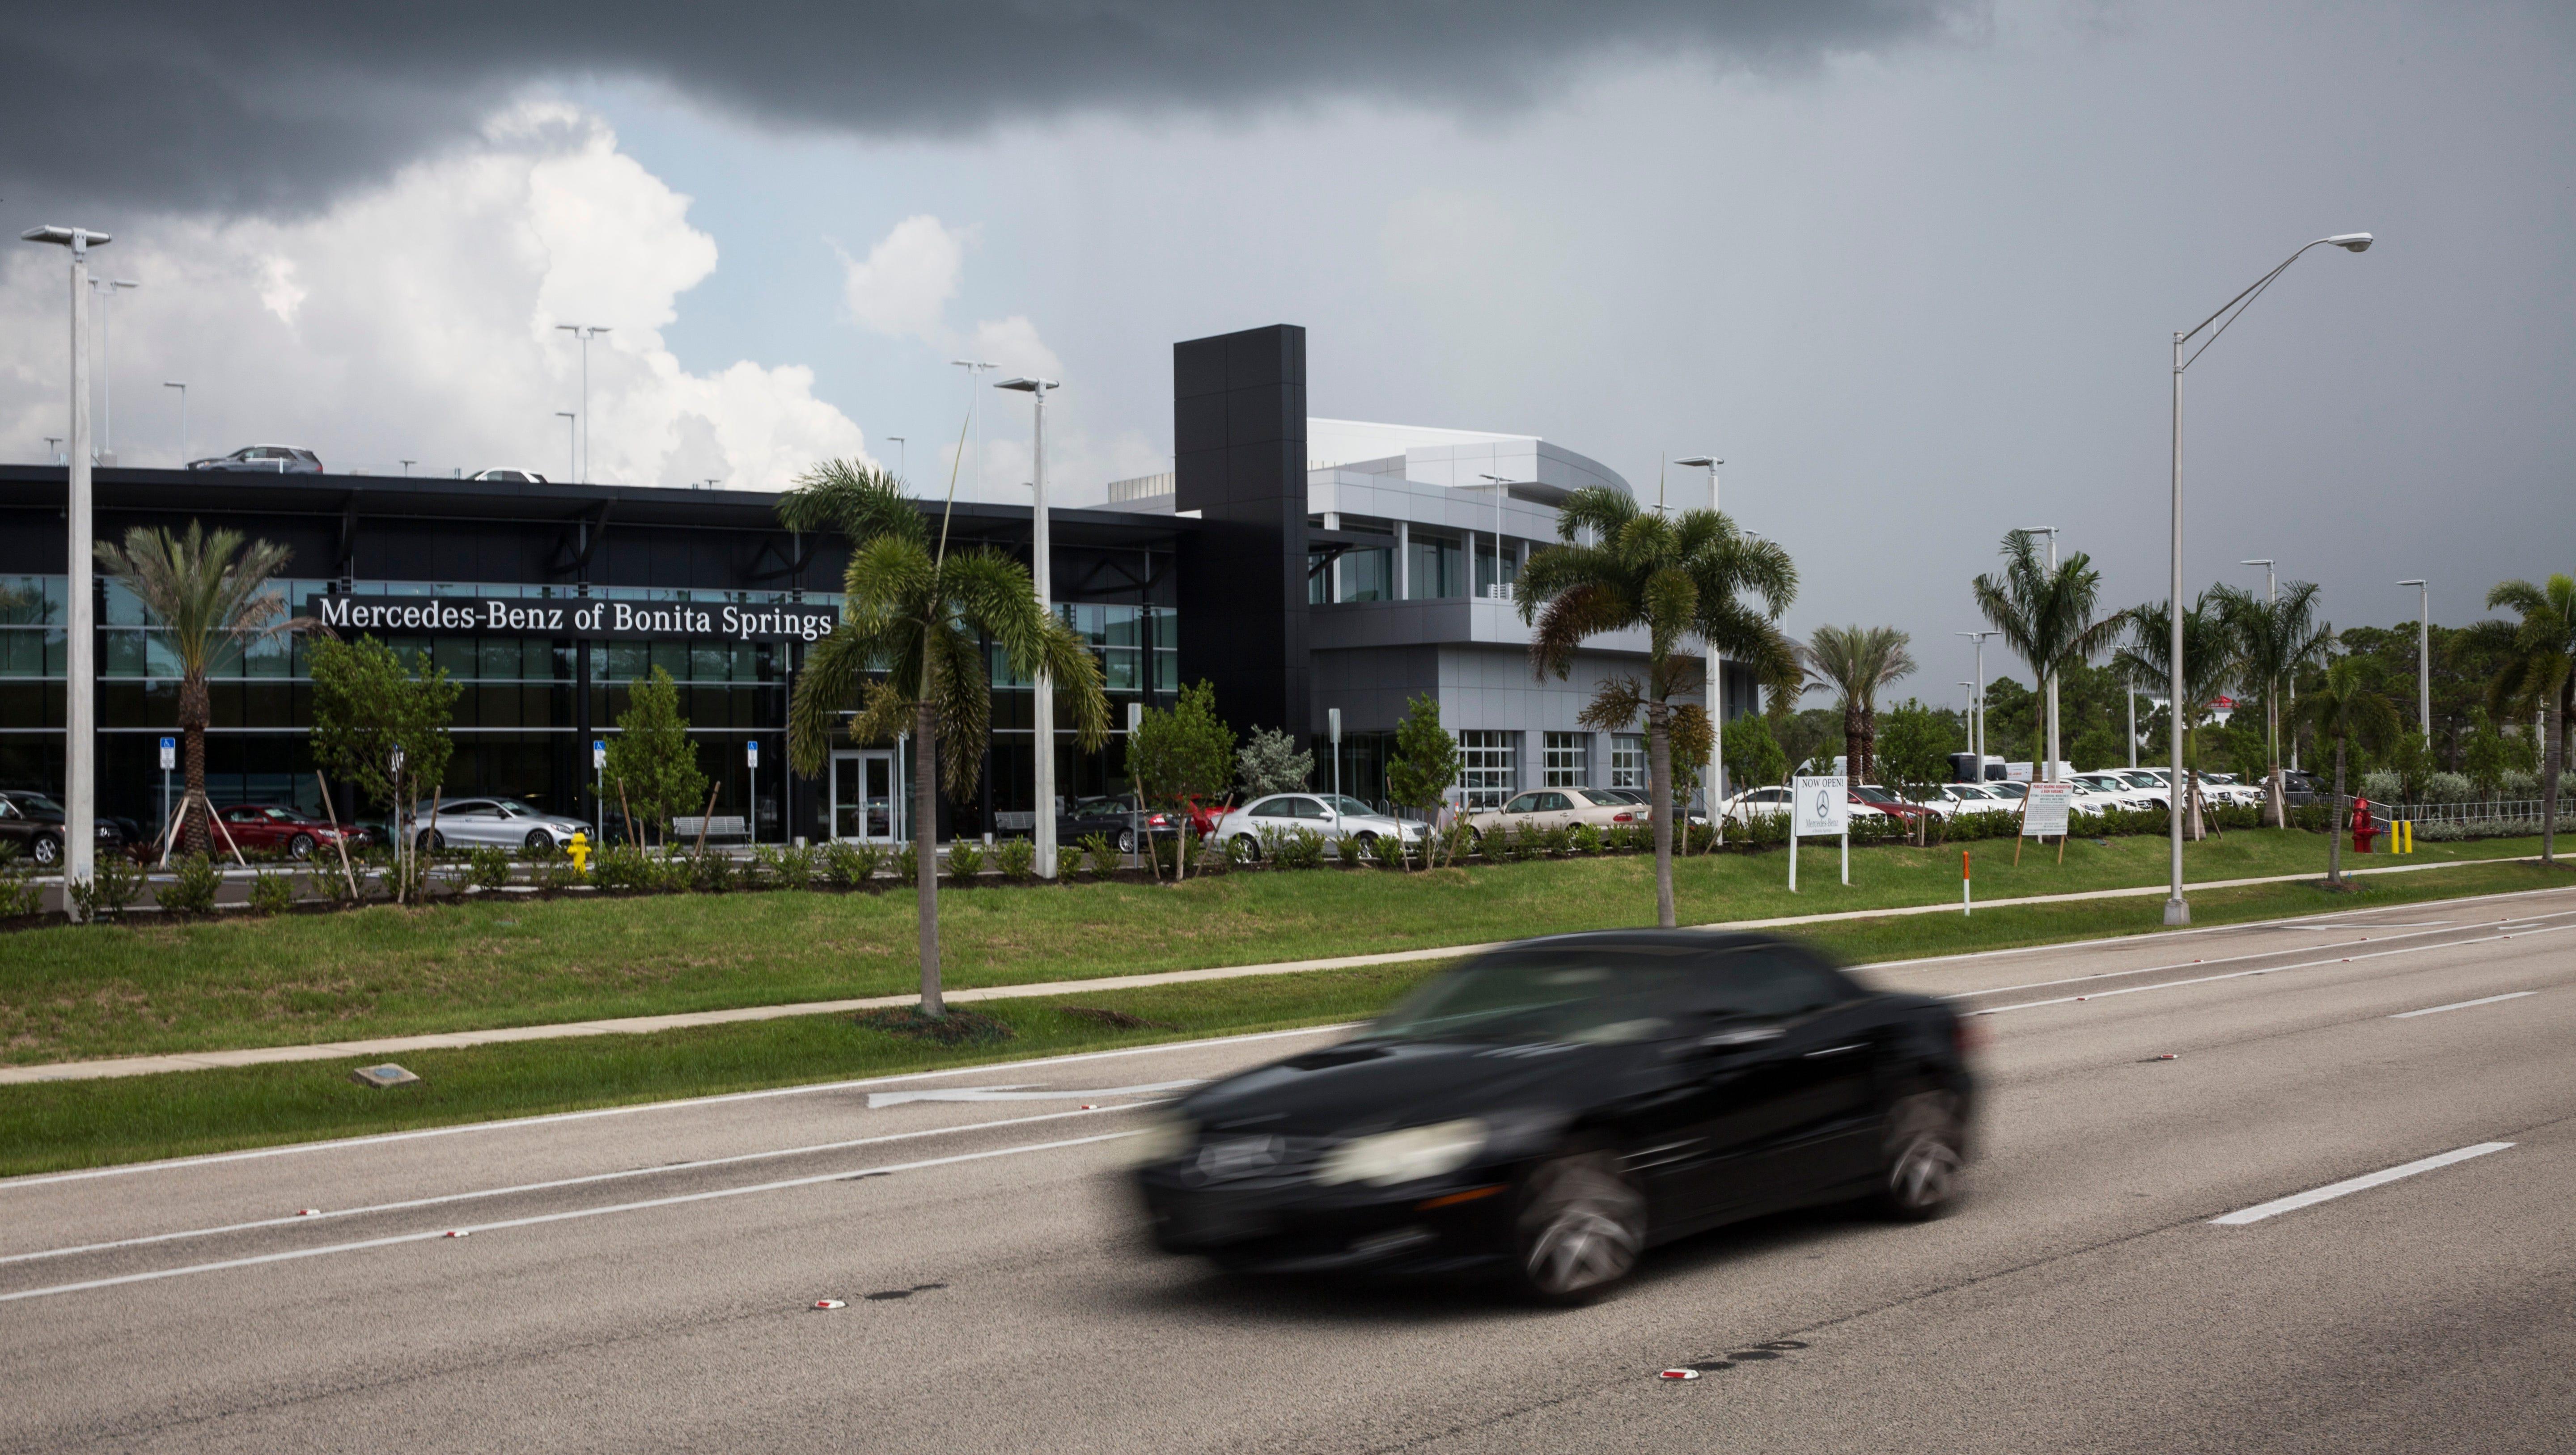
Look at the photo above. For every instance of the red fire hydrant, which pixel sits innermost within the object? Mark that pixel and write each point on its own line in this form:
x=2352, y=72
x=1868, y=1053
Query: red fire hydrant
x=2363, y=827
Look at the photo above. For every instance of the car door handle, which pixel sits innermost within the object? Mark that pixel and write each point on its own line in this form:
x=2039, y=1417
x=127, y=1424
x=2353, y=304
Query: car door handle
x=1838, y=1050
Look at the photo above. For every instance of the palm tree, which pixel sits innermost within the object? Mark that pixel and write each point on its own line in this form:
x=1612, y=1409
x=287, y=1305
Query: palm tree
x=906, y=657
x=2209, y=665
x=2046, y=616
x=2273, y=641
x=1676, y=577
x=2349, y=708
x=2542, y=670
x=1856, y=661
x=209, y=597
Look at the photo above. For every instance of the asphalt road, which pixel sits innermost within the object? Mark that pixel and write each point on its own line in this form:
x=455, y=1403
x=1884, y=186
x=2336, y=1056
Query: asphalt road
x=644, y=1279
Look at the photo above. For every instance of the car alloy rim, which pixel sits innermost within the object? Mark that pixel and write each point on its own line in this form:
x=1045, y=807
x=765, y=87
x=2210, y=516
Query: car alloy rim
x=1583, y=1247
x=1923, y=1173
x=45, y=851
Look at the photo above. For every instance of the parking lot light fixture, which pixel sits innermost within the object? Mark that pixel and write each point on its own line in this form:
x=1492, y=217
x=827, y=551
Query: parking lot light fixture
x=1042, y=576
x=2177, y=910
x=80, y=675
x=2423, y=660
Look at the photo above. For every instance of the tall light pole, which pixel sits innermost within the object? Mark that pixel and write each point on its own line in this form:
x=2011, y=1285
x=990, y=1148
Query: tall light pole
x=2177, y=910
x=1041, y=562
x=1716, y=686
x=572, y=461
x=584, y=332
x=1979, y=746
x=80, y=674
x=107, y=289
x=183, y=421
x=974, y=435
x=2423, y=662
x=901, y=450
x=2272, y=690
x=2048, y=771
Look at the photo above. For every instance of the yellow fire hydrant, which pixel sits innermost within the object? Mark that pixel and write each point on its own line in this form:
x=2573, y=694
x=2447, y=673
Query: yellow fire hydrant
x=580, y=852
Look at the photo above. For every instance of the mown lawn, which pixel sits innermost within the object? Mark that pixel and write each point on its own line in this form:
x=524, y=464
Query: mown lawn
x=57, y=1125
x=73, y=993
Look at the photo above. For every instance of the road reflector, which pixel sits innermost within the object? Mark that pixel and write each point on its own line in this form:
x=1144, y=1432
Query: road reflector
x=308, y=1212
x=829, y=1303
x=1679, y=1374
x=460, y=1232
x=388, y=1074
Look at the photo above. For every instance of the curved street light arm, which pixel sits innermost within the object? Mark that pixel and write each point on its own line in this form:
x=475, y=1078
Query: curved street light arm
x=2237, y=305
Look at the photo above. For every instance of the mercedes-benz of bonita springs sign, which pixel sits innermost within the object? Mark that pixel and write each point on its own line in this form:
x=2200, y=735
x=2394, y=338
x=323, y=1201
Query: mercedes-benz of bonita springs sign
x=574, y=617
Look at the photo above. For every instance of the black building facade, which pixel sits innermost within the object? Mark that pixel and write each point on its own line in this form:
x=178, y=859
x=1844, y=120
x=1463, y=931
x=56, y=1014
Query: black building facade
x=543, y=602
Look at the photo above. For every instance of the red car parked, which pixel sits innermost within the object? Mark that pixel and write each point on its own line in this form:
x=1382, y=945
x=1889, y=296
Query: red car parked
x=267, y=826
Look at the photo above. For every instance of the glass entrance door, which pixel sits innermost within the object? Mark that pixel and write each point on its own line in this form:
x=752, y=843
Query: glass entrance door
x=865, y=805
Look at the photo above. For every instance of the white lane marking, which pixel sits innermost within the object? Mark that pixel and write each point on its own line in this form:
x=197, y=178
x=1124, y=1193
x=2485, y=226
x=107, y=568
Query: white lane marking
x=2151, y=969
x=309, y=1218
x=2408, y=1015
x=986, y=1068
x=2349, y=1185
x=2241, y=974
x=1017, y=1091
x=533, y=1220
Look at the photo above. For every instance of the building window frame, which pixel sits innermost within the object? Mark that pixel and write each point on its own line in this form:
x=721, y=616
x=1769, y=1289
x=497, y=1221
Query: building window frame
x=1488, y=767
x=1627, y=760
x=1566, y=760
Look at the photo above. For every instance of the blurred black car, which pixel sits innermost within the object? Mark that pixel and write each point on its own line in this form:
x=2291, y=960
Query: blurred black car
x=34, y=823
x=1553, y=1108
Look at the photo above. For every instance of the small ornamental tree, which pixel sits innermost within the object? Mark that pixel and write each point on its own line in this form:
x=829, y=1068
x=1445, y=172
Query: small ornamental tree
x=1913, y=751
x=652, y=764
x=1180, y=754
x=1753, y=755
x=1425, y=762
x=365, y=706
x=1273, y=763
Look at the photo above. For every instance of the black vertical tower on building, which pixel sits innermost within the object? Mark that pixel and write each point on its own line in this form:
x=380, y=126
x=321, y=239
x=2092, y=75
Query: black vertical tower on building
x=1239, y=451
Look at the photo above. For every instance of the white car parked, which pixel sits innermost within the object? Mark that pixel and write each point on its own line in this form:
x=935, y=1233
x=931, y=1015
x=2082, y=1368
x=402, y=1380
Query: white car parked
x=1774, y=800
x=1964, y=798
x=2113, y=790
x=1331, y=815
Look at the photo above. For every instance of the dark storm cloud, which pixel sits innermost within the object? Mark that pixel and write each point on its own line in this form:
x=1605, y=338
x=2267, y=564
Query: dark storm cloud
x=276, y=106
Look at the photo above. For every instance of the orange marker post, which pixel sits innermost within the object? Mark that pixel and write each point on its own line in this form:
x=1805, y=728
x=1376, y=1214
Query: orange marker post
x=1967, y=901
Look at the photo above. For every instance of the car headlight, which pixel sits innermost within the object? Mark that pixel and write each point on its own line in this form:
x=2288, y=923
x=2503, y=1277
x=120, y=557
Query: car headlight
x=1406, y=1156
x=1165, y=1137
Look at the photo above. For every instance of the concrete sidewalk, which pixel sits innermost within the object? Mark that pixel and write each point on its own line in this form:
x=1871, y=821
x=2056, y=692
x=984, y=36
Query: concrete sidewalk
x=636, y=1025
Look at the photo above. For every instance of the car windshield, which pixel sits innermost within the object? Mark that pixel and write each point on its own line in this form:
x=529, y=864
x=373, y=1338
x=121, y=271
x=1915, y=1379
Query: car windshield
x=2008, y=790
x=1348, y=805
x=1872, y=793
x=1103, y=805
x=1608, y=996
x=515, y=809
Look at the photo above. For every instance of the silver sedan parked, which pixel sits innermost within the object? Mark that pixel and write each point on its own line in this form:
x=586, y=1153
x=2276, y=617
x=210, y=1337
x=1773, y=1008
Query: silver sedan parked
x=1331, y=815
x=502, y=822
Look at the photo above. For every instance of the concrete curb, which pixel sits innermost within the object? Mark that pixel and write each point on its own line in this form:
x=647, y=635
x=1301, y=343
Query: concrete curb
x=639, y=1025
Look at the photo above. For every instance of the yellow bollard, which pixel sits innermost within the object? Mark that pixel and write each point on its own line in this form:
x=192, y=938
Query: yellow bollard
x=580, y=852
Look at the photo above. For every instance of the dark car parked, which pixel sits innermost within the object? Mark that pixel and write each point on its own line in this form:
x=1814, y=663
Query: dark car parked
x=1116, y=815
x=34, y=822
x=1551, y=1109
x=264, y=459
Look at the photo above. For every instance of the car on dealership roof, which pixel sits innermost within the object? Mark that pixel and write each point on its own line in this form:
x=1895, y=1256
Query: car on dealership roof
x=264, y=459
x=509, y=477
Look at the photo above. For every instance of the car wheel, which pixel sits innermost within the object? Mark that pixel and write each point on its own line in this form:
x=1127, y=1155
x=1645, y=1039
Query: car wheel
x=1126, y=841
x=1249, y=847
x=431, y=842
x=1580, y=1229
x=539, y=840
x=47, y=850
x=1922, y=1156
x=1368, y=841
x=300, y=847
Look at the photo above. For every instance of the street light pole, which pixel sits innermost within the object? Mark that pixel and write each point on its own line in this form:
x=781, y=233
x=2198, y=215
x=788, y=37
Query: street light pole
x=107, y=288
x=901, y=450
x=2423, y=662
x=1979, y=746
x=80, y=674
x=2047, y=772
x=1041, y=572
x=974, y=434
x=572, y=460
x=584, y=332
x=183, y=422
x=2177, y=910
x=2272, y=690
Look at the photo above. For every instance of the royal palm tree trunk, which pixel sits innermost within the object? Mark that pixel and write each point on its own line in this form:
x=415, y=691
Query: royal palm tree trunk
x=2279, y=802
x=925, y=850
x=2334, y=826
x=194, y=712
x=2553, y=762
x=1855, y=742
x=1659, y=784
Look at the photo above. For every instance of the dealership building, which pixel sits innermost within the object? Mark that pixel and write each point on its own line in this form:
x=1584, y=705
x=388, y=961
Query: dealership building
x=1303, y=566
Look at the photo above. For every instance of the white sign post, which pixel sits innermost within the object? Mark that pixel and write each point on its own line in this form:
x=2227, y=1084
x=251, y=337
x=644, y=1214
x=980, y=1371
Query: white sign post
x=1333, y=731
x=1819, y=806
x=2044, y=812
x=599, y=791
x=751, y=791
x=169, y=760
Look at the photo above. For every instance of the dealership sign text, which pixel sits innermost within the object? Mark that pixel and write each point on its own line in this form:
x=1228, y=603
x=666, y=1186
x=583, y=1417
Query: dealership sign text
x=574, y=617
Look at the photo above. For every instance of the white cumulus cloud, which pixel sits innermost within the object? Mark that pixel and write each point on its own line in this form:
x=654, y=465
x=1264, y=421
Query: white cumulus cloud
x=902, y=287
x=420, y=321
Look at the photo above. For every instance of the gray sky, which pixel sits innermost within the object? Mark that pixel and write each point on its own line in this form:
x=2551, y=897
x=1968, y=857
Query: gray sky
x=1912, y=269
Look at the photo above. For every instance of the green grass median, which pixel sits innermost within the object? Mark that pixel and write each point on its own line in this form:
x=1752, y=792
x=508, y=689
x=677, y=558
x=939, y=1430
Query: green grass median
x=57, y=1125
x=74, y=993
